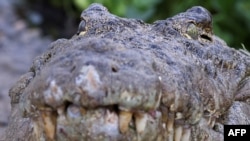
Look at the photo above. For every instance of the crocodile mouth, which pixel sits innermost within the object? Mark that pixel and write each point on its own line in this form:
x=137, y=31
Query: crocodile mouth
x=110, y=123
x=111, y=92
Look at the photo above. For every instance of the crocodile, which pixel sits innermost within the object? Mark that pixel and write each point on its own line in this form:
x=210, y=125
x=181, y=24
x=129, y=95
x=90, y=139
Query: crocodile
x=124, y=79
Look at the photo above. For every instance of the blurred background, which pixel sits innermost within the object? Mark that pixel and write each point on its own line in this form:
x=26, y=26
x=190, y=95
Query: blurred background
x=59, y=18
x=27, y=27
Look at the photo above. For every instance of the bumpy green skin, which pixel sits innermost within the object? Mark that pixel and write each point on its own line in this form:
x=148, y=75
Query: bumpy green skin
x=164, y=70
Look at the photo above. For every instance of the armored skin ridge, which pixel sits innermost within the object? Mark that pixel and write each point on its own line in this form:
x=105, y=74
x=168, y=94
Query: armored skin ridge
x=123, y=79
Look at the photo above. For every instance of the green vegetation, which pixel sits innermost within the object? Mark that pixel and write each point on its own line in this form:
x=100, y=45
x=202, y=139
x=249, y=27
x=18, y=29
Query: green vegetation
x=139, y=9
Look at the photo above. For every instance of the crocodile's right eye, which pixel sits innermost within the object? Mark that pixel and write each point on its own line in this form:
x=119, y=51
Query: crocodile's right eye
x=192, y=31
x=82, y=27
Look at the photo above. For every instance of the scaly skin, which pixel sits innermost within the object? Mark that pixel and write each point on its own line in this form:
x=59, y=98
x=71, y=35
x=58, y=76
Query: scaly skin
x=123, y=79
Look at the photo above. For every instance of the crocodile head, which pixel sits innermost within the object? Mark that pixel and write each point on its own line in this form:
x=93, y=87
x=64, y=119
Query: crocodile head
x=123, y=79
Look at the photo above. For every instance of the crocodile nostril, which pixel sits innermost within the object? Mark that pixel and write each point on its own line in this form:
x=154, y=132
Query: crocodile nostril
x=114, y=69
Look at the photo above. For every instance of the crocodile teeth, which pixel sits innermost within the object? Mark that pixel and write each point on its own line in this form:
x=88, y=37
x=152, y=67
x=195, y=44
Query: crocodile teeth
x=211, y=122
x=170, y=126
x=179, y=115
x=110, y=117
x=61, y=110
x=49, y=120
x=140, y=122
x=186, y=134
x=124, y=119
x=178, y=133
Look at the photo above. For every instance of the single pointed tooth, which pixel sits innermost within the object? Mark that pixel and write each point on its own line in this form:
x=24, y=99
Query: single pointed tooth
x=164, y=112
x=111, y=117
x=170, y=122
x=140, y=122
x=178, y=133
x=37, y=129
x=186, y=133
x=179, y=115
x=124, y=119
x=49, y=119
x=164, y=125
x=61, y=114
x=61, y=110
x=172, y=107
x=170, y=127
x=211, y=122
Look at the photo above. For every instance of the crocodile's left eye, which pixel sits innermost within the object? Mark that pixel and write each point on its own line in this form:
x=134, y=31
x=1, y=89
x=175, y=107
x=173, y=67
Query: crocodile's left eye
x=192, y=31
x=82, y=27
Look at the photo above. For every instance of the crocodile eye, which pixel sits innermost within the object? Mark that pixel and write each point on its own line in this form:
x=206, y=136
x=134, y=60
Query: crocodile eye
x=82, y=27
x=192, y=31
